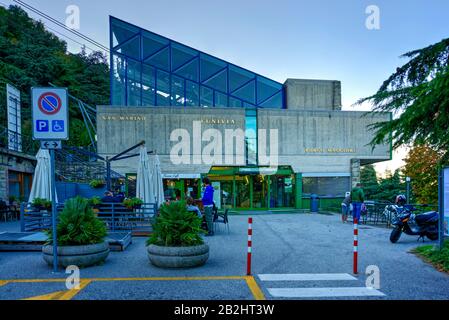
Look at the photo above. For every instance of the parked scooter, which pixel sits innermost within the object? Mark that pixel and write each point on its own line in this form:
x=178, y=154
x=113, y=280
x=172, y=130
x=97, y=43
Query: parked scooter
x=422, y=225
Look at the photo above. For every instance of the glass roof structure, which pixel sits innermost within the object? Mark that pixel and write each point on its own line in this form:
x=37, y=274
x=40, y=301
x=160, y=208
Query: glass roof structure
x=150, y=70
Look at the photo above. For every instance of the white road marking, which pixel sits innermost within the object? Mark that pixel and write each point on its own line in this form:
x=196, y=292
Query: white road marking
x=307, y=277
x=324, y=292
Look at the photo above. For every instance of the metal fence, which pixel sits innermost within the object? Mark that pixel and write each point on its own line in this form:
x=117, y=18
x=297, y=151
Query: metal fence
x=377, y=214
x=116, y=217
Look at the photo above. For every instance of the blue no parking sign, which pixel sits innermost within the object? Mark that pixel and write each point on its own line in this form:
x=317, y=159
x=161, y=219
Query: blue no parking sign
x=50, y=114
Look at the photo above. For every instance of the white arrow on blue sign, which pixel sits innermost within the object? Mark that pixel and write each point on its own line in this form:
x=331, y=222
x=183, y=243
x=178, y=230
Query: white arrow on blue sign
x=50, y=113
x=49, y=145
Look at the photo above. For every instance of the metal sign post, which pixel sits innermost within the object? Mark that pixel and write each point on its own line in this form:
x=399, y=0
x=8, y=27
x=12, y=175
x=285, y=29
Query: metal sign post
x=50, y=126
x=54, y=211
x=443, y=204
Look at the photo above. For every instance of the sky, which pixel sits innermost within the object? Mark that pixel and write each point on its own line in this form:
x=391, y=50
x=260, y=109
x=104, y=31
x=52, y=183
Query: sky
x=280, y=39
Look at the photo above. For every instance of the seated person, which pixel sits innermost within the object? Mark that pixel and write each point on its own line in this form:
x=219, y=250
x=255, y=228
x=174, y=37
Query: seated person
x=192, y=208
x=119, y=197
x=108, y=198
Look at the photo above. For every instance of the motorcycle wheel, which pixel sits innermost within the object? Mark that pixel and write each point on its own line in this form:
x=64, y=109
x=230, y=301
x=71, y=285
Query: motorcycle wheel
x=395, y=235
x=432, y=236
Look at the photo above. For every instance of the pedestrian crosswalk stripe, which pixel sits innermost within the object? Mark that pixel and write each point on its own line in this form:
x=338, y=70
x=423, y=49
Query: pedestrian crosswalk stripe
x=307, y=277
x=324, y=292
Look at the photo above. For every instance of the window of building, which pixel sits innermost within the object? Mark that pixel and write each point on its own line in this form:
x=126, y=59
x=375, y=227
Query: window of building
x=251, y=137
x=148, y=69
x=326, y=186
x=20, y=185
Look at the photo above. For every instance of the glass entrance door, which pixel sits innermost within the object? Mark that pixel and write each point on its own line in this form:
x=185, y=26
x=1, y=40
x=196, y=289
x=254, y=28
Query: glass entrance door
x=260, y=191
x=282, y=192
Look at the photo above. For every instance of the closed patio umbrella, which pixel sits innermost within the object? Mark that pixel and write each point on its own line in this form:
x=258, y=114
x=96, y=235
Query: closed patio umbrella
x=145, y=190
x=41, y=187
x=156, y=178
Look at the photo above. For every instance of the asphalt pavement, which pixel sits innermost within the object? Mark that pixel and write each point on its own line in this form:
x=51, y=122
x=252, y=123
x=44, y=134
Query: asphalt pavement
x=294, y=256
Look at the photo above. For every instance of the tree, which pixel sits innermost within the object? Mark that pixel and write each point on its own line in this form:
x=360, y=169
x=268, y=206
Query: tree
x=421, y=165
x=368, y=178
x=418, y=93
x=32, y=56
x=390, y=186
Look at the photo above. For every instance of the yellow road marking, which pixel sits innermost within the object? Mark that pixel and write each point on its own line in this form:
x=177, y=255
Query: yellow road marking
x=68, y=295
x=133, y=279
x=171, y=278
x=50, y=296
x=254, y=287
x=62, y=295
x=73, y=292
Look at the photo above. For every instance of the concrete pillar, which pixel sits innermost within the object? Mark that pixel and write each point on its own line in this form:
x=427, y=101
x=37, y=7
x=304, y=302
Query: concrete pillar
x=4, y=184
x=355, y=172
x=298, y=193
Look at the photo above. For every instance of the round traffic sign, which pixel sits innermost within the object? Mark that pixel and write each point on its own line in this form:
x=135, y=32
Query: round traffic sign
x=49, y=103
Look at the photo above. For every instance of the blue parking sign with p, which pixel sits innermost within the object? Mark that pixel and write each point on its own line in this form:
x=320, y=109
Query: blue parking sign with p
x=42, y=126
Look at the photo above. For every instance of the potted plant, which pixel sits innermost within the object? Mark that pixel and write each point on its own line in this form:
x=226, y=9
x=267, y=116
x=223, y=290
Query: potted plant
x=41, y=204
x=97, y=184
x=80, y=236
x=95, y=202
x=12, y=200
x=133, y=203
x=176, y=240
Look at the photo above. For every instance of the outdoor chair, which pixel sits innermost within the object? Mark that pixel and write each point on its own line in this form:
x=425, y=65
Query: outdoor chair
x=5, y=211
x=222, y=218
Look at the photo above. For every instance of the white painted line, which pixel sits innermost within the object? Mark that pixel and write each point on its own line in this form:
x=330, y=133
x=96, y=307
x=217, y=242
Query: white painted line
x=324, y=292
x=307, y=277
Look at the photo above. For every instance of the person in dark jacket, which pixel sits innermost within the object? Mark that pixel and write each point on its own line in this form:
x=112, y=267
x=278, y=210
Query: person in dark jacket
x=108, y=197
x=208, y=203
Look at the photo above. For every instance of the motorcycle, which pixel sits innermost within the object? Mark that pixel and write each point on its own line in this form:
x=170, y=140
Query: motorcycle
x=422, y=225
x=390, y=212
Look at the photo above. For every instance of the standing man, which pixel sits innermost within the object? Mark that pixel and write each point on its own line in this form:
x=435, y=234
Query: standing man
x=346, y=207
x=357, y=198
x=208, y=203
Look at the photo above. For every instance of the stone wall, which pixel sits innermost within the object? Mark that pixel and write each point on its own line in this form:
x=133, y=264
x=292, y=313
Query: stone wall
x=355, y=172
x=13, y=161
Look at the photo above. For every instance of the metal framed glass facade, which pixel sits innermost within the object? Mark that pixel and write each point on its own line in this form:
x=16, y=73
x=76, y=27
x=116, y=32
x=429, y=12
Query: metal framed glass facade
x=150, y=70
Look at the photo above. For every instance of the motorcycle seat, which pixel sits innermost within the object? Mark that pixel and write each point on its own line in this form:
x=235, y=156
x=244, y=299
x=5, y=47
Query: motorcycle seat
x=428, y=217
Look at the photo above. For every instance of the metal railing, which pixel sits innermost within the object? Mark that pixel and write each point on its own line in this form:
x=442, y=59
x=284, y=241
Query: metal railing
x=16, y=142
x=377, y=214
x=116, y=217
x=34, y=219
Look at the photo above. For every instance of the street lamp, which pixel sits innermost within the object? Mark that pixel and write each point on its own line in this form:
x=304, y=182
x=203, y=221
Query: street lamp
x=407, y=180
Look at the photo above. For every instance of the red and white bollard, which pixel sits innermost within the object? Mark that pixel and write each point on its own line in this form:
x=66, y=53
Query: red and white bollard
x=250, y=243
x=356, y=244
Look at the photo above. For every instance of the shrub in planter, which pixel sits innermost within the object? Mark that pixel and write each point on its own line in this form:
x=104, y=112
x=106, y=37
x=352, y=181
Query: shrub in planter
x=97, y=184
x=95, y=202
x=176, y=240
x=41, y=204
x=133, y=203
x=80, y=236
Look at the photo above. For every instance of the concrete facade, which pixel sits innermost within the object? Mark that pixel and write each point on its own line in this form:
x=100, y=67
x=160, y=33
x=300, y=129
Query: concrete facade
x=312, y=142
x=304, y=94
x=316, y=138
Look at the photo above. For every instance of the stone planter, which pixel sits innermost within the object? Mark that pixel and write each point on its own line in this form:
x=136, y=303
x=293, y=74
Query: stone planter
x=81, y=256
x=178, y=257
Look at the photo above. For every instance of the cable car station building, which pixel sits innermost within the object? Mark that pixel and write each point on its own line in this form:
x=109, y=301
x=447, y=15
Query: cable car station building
x=159, y=86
